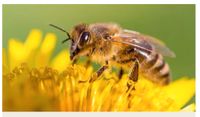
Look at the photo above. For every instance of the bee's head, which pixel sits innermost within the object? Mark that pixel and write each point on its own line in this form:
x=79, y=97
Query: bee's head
x=79, y=36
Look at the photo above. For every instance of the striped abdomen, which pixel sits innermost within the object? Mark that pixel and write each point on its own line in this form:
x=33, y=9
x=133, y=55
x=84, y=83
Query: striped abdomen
x=153, y=66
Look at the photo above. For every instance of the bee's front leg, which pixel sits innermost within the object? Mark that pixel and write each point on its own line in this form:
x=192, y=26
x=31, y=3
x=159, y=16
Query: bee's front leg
x=99, y=72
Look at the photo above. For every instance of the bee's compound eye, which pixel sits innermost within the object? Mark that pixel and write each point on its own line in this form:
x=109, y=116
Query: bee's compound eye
x=84, y=38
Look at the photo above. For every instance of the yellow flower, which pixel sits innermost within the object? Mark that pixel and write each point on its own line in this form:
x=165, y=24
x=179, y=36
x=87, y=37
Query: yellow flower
x=33, y=81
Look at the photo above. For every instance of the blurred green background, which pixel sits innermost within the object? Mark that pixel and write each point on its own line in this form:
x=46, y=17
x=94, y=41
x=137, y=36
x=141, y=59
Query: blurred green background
x=173, y=24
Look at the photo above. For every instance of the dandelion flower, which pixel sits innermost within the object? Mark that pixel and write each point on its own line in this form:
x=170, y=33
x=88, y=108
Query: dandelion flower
x=33, y=81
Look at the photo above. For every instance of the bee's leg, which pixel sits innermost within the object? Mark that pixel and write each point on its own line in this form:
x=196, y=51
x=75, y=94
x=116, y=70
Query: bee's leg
x=133, y=76
x=99, y=72
x=121, y=72
x=134, y=71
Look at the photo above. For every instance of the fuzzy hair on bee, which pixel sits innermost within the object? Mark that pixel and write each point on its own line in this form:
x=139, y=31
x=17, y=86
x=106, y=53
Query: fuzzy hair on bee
x=111, y=45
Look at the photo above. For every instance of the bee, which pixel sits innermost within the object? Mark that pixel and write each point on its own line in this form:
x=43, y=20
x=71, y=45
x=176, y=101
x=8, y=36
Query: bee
x=109, y=44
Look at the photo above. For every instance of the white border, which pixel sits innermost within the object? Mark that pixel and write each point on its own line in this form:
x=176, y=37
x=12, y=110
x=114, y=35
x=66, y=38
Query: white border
x=114, y=2
x=99, y=114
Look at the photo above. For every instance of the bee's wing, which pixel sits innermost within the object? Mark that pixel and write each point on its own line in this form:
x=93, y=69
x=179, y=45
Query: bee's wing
x=143, y=42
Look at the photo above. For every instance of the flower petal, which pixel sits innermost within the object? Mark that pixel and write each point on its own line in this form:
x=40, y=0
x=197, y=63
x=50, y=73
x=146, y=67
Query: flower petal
x=46, y=50
x=31, y=45
x=61, y=61
x=16, y=53
x=33, y=40
x=49, y=43
x=181, y=91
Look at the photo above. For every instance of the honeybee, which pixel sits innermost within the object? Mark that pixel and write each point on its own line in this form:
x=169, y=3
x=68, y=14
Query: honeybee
x=109, y=44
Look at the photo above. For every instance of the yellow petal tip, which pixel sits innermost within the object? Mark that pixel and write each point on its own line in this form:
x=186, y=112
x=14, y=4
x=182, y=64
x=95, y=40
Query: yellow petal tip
x=178, y=89
x=33, y=40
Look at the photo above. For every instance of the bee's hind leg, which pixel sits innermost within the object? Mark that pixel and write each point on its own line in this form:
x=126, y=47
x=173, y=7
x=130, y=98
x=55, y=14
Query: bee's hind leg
x=121, y=72
x=133, y=76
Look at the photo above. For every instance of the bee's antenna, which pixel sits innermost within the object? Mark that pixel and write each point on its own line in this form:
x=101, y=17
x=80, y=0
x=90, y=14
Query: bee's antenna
x=69, y=37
